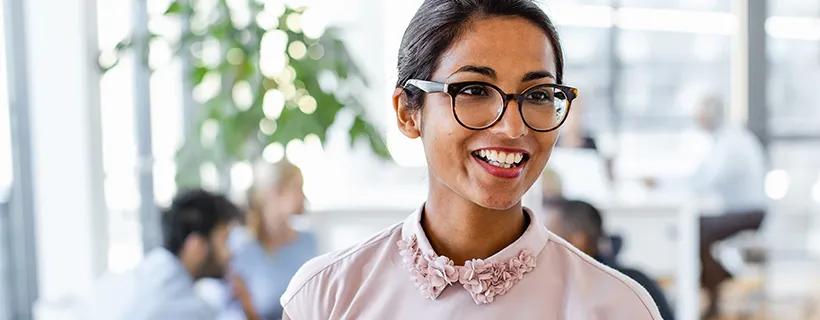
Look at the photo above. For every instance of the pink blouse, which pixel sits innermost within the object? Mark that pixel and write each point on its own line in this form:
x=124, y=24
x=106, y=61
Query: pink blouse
x=397, y=275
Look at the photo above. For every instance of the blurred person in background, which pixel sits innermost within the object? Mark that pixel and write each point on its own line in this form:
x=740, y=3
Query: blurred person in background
x=734, y=171
x=573, y=133
x=551, y=187
x=480, y=83
x=269, y=250
x=581, y=224
x=195, y=246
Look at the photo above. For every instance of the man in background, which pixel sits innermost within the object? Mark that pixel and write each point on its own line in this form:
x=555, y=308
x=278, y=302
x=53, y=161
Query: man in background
x=734, y=171
x=195, y=233
x=581, y=225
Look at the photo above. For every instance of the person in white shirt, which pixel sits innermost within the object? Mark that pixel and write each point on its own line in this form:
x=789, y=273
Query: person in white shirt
x=161, y=286
x=734, y=171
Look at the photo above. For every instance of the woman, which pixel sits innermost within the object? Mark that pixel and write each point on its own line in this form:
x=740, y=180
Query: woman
x=269, y=254
x=472, y=251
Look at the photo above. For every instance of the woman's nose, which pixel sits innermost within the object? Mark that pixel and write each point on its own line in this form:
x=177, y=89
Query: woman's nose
x=511, y=123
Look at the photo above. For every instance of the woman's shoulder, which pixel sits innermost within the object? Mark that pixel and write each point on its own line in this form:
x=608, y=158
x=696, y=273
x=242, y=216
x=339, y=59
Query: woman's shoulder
x=603, y=287
x=328, y=268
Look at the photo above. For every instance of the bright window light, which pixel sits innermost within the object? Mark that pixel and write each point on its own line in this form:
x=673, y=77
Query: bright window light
x=580, y=15
x=676, y=21
x=815, y=190
x=794, y=28
x=777, y=184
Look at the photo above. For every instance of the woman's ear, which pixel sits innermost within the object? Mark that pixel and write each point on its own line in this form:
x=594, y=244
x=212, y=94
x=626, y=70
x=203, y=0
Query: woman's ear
x=408, y=120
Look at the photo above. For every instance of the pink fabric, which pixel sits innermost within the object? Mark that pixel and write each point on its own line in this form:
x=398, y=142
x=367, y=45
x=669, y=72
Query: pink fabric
x=483, y=280
x=397, y=275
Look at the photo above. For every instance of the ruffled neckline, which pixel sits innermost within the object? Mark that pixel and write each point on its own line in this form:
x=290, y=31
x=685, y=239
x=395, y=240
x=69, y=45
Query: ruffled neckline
x=484, y=279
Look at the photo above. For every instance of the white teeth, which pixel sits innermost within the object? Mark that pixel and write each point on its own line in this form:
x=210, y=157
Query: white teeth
x=510, y=158
x=501, y=159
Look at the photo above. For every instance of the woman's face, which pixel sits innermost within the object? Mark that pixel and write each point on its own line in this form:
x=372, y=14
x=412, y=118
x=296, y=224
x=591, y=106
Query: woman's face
x=513, y=54
x=288, y=200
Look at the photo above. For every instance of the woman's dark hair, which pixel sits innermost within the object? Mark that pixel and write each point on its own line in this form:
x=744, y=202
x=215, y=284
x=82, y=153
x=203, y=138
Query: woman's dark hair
x=438, y=23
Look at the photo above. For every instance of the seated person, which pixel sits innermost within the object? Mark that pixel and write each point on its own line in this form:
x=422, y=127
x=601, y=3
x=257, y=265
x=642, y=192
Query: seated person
x=195, y=231
x=581, y=225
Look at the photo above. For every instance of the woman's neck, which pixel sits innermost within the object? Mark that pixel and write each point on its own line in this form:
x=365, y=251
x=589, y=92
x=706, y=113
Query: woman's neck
x=462, y=230
x=277, y=233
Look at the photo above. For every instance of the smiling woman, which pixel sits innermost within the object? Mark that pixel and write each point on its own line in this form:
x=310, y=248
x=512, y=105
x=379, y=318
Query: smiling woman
x=480, y=84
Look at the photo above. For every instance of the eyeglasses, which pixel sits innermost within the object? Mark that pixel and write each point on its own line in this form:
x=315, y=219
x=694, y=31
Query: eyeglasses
x=479, y=105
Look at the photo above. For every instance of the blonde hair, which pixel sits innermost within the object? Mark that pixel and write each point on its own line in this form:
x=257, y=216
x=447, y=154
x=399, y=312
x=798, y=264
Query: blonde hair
x=266, y=178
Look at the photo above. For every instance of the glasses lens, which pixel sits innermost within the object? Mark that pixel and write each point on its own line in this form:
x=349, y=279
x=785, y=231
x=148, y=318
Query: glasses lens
x=478, y=106
x=545, y=107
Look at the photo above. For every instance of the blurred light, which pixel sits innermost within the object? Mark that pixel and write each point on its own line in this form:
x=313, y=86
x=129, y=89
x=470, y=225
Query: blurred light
x=275, y=7
x=121, y=192
x=794, y=28
x=205, y=5
x=164, y=185
x=242, y=95
x=676, y=21
x=166, y=27
x=297, y=50
x=289, y=90
x=313, y=144
x=272, y=103
x=295, y=152
x=107, y=58
x=328, y=81
x=287, y=76
x=307, y=104
x=159, y=53
x=266, y=20
x=294, y=22
x=207, y=89
x=272, y=57
x=242, y=175
x=208, y=132
x=235, y=56
x=313, y=23
x=815, y=190
x=240, y=13
x=267, y=126
x=273, y=153
x=211, y=52
x=581, y=15
x=316, y=51
x=777, y=184
x=209, y=175
x=199, y=24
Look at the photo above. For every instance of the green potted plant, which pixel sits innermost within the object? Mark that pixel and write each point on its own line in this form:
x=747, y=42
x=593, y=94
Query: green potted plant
x=275, y=82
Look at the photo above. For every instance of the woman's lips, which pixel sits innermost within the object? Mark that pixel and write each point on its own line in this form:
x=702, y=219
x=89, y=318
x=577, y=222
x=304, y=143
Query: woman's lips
x=507, y=173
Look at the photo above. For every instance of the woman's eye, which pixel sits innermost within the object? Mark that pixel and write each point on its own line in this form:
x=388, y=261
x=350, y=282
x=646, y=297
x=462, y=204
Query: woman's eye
x=475, y=91
x=538, y=96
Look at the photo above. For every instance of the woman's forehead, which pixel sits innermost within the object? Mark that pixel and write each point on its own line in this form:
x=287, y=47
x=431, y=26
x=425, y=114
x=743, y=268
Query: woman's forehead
x=512, y=47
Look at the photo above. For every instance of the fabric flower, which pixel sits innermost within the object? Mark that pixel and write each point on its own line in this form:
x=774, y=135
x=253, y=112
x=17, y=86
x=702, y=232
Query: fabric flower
x=484, y=280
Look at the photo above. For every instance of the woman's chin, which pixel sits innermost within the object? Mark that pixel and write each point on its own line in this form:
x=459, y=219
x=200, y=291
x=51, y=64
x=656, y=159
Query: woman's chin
x=497, y=202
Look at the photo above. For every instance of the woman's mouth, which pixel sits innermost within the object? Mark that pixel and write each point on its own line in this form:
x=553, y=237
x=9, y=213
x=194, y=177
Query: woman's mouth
x=503, y=164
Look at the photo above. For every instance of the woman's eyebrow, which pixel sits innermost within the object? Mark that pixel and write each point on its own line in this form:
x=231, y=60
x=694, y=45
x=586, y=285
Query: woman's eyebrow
x=482, y=70
x=535, y=75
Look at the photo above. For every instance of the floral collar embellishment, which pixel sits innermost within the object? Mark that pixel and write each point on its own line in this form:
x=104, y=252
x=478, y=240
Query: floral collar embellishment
x=484, y=279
